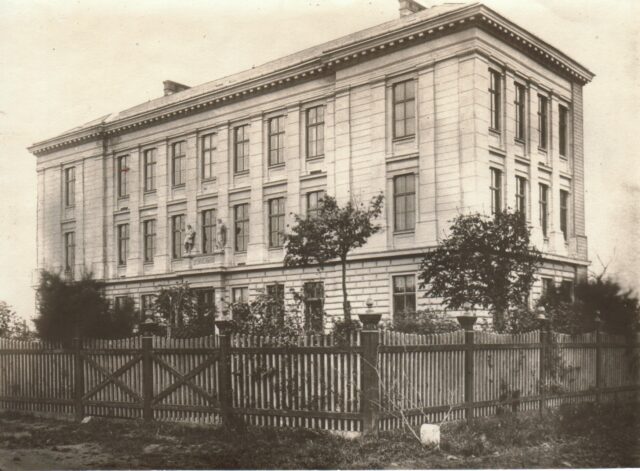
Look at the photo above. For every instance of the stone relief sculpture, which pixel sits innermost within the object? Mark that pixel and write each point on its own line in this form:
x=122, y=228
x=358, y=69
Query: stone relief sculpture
x=189, y=239
x=221, y=239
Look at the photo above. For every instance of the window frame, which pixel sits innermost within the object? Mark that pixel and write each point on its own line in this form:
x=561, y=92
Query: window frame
x=209, y=227
x=496, y=189
x=279, y=135
x=69, y=239
x=405, y=294
x=521, y=111
x=564, y=213
x=70, y=187
x=149, y=164
x=207, y=148
x=543, y=208
x=242, y=131
x=318, y=127
x=205, y=301
x=275, y=291
x=543, y=122
x=521, y=194
x=146, y=303
x=180, y=158
x=243, y=290
x=148, y=240
x=241, y=234
x=314, y=211
x=407, y=104
x=276, y=221
x=122, y=180
x=176, y=243
x=563, y=131
x=314, y=324
x=407, y=217
x=123, y=243
x=495, y=100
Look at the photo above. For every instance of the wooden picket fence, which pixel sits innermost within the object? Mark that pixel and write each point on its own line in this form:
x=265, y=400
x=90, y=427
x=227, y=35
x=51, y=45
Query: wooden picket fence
x=371, y=380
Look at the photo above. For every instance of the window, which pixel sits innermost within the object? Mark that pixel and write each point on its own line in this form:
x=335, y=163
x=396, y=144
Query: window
x=241, y=149
x=123, y=244
x=207, y=156
x=70, y=186
x=150, y=170
x=240, y=294
x=208, y=230
x=121, y=302
x=521, y=195
x=566, y=291
x=543, y=117
x=564, y=213
x=276, y=295
x=404, y=294
x=496, y=190
x=276, y=140
x=520, y=111
x=241, y=219
x=205, y=302
x=562, y=130
x=69, y=252
x=178, y=163
x=276, y=222
x=404, y=109
x=404, y=195
x=313, y=203
x=547, y=286
x=149, y=239
x=314, y=306
x=315, y=132
x=495, y=95
x=122, y=179
x=544, y=208
x=146, y=306
x=177, y=234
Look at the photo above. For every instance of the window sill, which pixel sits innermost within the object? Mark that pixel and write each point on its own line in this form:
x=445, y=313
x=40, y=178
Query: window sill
x=563, y=157
x=148, y=264
x=494, y=131
x=209, y=180
x=542, y=150
x=240, y=252
x=180, y=185
x=123, y=198
x=404, y=232
x=70, y=206
x=243, y=172
x=409, y=137
x=519, y=140
x=276, y=166
x=150, y=192
x=315, y=157
x=276, y=249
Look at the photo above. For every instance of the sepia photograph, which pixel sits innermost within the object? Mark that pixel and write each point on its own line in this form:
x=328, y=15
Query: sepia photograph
x=319, y=234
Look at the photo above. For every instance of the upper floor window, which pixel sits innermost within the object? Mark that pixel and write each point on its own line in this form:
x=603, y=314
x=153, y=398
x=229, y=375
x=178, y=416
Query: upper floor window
x=177, y=234
x=404, y=109
x=276, y=140
x=404, y=196
x=315, y=132
x=69, y=186
x=521, y=93
x=563, y=116
x=208, y=230
x=241, y=149
x=564, y=213
x=149, y=170
x=149, y=239
x=544, y=208
x=404, y=294
x=314, y=306
x=521, y=195
x=496, y=190
x=313, y=203
x=69, y=252
x=495, y=97
x=207, y=148
x=241, y=226
x=543, y=118
x=178, y=163
x=276, y=222
x=123, y=244
x=123, y=175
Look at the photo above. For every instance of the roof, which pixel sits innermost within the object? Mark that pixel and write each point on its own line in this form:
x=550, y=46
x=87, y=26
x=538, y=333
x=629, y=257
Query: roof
x=317, y=58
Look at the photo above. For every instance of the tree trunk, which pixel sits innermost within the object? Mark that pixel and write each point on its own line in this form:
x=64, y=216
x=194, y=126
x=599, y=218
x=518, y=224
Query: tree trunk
x=345, y=302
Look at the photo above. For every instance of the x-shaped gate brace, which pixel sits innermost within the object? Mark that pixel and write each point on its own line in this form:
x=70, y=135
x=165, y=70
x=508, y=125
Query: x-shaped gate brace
x=112, y=377
x=185, y=379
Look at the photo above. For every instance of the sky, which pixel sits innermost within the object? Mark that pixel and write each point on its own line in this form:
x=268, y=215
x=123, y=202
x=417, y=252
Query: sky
x=66, y=62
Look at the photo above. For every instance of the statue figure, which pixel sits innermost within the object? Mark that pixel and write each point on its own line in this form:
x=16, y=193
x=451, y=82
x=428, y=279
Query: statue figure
x=221, y=236
x=189, y=239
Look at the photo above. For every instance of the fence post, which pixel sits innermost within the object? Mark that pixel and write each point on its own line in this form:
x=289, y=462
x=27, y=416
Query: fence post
x=598, y=359
x=544, y=352
x=224, y=368
x=78, y=374
x=467, y=323
x=147, y=378
x=369, y=371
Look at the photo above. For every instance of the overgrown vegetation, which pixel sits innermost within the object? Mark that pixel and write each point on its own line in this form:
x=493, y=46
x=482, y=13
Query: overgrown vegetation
x=68, y=309
x=331, y=233
x=176, y=307
x=11, y=326
x=268, y=316
x=424, y=322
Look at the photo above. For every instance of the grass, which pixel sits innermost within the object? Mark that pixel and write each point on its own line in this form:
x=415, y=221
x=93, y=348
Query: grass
x=573, y=436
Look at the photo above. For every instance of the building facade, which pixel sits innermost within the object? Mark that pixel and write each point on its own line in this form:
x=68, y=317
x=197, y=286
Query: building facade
x=446, y=110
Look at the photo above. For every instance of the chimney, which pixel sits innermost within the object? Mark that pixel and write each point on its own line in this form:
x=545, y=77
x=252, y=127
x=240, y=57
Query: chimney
x=171, y=87
x=408, y=7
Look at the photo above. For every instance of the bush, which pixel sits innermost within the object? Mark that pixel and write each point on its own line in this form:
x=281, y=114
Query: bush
x=11, y=326
x=267, y=316
x=343, y=330
x=424, y=322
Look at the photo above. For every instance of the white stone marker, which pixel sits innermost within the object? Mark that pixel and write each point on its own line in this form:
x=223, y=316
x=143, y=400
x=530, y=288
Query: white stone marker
x=430, y=435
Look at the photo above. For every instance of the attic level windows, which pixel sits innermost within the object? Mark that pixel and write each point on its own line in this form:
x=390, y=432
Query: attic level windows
x=241, y=149
x=276, y=141
x=543, y=119
x=495, y=99
x=404, y=109
x=122, y=177
x=207, y=156
x=520, y=104
x=563, y=117
x=178, y=163
x=315, y=132
x=69, y=186
x=149, y=170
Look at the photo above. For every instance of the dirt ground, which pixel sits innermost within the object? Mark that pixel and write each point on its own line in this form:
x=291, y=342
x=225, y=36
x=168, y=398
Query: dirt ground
x=578, y=438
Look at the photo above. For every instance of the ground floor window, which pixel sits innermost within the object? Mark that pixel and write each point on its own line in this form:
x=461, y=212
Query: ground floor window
x=275, y=294
x=146, y=306
x=314, y=306
x=205, y=302
x=404, y=294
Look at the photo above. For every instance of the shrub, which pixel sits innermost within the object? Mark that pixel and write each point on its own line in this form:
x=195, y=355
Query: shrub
x=424, y=322
x=343, y=330
x=11, y=326
x=267, y=316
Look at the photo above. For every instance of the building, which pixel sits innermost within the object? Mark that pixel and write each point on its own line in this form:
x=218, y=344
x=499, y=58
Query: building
x=447, y=109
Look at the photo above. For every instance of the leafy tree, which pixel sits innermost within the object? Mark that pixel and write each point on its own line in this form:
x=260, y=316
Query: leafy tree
x=176, y=305
x=332, y=233
x=11, y=326
x=485, y=262
x=67, y=309
x=619, y=309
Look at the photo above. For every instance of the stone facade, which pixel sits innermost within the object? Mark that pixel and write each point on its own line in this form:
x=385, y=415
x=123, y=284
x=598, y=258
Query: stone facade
x=445, y=55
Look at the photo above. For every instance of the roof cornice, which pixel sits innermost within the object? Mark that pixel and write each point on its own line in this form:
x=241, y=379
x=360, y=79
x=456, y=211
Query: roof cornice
x=327, y=61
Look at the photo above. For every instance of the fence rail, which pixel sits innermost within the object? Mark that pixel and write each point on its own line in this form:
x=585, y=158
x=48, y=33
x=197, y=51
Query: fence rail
x=371, y=380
